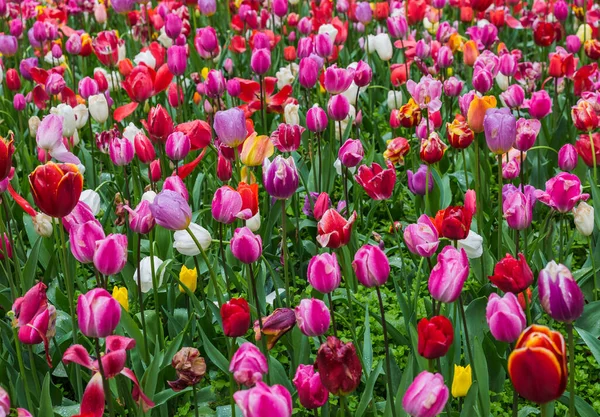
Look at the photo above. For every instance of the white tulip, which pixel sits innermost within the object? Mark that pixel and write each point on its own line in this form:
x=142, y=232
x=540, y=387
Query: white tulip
x=330, y=30
x=473, y=245
x=34, y=123
x=253, y=223
x=42, y=225
x=285, y=76
x=584, y=218
x=149, y=196
x=394, y=99
x=130, y=131
x=81, y=116
x=98, y=107
x=68, y=118
x=290, y=114
x=146, y=58
x=92, y=199
x=186, y=245
x=145, y=273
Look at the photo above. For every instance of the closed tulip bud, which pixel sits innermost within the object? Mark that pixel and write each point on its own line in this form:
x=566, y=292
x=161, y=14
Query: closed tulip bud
x=316, y=119
x=144, y=149
x=512, y=275
x=513, y=97
x=190, y=368
x=256, y=149
x=55, y=83
x=505, y=317
x=154, y=171
x=432, y=149
x=583, y=216
x=177, y=59
x=121, y=151
x=339, y=366
x=121, y=295
x=539, y=348
x=460, y=136
x=462, y=381
x=527, y=131
x=573, y=44
x=143, y=276
x=371, y=266
x=333, y=230
x=500, y=130
x=248, y=365
x=422, y=238
x=588, y=147
x=324, y=272
x=235, y=316
x=351, y=153
x=188, y=278
x=207, y=7
x=260, y=62
x=19, y=103
x=308, y=72
x=312, y=317
x=449, y=275
x=254, y=401
x=362, y=74
x=418, y=182
x=507, y=64
x=98, y=108
x=230, y=127
x=559, y=293
x=426, y=396
x=87, y=87
x=98, y=314
x=171, y=211
x=518, y=210
x=186, y=245
x=435, y=337
x=246, y=246
x=323, y=45
x=214, y=85
x=13, y=82
x=453, y=87
x=158, y=124
x=175, y=183
x=233, y=87
x=177, y=147
x=224, y=168
x=311, y=392
x=483, y=80
x=476, y=111
x=173, y=25
x=338, y=107
x=567, y=157
x=445, y=58
x=280, y=177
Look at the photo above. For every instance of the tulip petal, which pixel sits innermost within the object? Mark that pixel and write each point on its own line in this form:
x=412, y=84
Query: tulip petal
x=79, y=355
x=137, y=392
x=124, y=111
x=119, y=343
x=92, y=403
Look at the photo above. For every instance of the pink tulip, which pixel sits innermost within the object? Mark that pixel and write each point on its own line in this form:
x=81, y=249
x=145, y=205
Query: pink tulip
x=316, y=119
x=248, y=365
x=141, y=219
x=422, y=238
x=98, y=313
x=562, y=192
x=121, y=151
x=308, y=72
x=175, y=183
x=426, y=93
x=371, y=266
x=518, y=208
x=312, y=317
x=513, y=97
x=505, y=317
x=177, y=147
x=287, y=137
x=426, y=396
x=246, y=246
x=254, y=402
x=82, y=213
x=338, y=107
x=567, y=157
x=260, y=62
x=324, y=272
x=527, y=131
x=227, y=205
x=351, y=153
x=83, y=238
x=449, y=274
x=337, y=80
x=539, y=105
x=110, y=256
x=311, y=392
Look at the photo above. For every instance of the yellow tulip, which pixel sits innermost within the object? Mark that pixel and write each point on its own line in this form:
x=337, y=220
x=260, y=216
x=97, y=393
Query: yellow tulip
x=255, y=149
x=204, y=73
x=121, y=295
x=189, y=278
x=462, y=380
x=477, y=110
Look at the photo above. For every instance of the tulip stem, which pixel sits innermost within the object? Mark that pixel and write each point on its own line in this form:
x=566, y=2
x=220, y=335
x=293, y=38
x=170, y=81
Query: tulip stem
x=343, y=406
x=468, y=342
x=426, y=191
x=283, y=253
x=262, y=104
x=544, y=410
x=210, y=269
x=332, y=314
x=344, y=170
x=71, y=298
x=263, y=342
x=478, y=197
x=594, y=273
x=195, y=395
x=36, y=380
x=105, y=383
x=161, y=336
x=593, y=157
x=141, y=299
x=464, y=158
x=388, y=359
x=500, y=213
x=571, y=342
x=222, y=250
x=22, y=367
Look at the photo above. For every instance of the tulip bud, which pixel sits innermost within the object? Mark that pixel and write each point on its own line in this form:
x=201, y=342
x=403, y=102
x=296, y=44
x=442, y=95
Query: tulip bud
x=351, y=153
x=324, y=272
x=154, y=171
x=312, y=317
x=224, y=168
x=583, y=216
x=371, y=266
x=308, y=73
x=248, y=365
x=462, y=381
x=567, y=157
x=98, y=314
x=338, y=107
x=246, y=246
x=505, y=317
x=260, y=62
x=280, y=177
x=311, y=392
x=121, y=151
x=177, y=146
x=560, y=294
x=432, y=149
x=98, y=108
x=426, y=396
x=316, y=119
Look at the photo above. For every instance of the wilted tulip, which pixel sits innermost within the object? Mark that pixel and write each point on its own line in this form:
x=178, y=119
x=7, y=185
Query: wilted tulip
x=274, y=326
x=190, y=368
x=339, y=366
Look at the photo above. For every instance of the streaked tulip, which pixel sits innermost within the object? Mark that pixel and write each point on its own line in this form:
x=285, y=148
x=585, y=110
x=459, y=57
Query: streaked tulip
x=246, y=246
x=110, y=256
x=98, y=314
x=324, y=272
x=312, y=317
x=559, y=293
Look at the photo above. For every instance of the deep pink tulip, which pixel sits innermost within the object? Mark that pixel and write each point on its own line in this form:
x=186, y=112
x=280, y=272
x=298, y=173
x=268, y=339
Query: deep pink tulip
x=449, y=274
x=323, y=45
x=83, y=238
x=82, y=213
x=324, y=272
x=505, y=317
x=527, y=131
x=255, y=401
x=351, y=153
x=426, y=396
x=248, y=365
x=562, y=192
x=316, y=119
x=88, y=87
x=175, y=183
x=110, y=256
x=337, y=80
x=567, y=157
x=177, y=147
x=377, y=182
x=313, y=317
x=227, y=205
x=121, y=151
x=539, y=105
x=513, y=97
x=371, y=266
x=518, y=208
x=308, y=72
x=362, y=74
x=98, y=313
x=141, y=219
x=287, y=137
x=246, y=246
x=422, y=238
x=338, y=107
x=260, y=62
x=311, y=392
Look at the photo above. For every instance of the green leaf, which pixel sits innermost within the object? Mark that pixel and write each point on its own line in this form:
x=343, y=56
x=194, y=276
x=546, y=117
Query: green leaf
x=214, y=354
x=45, y=399
x=131, y=328
x=422, y=362
x=592, y=342
x=367, y=395
x=278, y=374
x=583, y=408
x=150, y=378
x=469, y=409
x=527, y=410
x=476, y=321
x=31, y=265
x=590, y=319
x=481, y=370
x=367, y=343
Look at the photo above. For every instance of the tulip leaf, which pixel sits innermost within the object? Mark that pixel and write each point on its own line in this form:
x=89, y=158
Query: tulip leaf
x=590, y=319
x=582, y=408
x=214, y=354
x=592, y=342
x=469, y=409
x=132, y=329
x=367, y=395
x=414, y=338
x=45, y=399
x=481, y=371
x=278, y=374
x=367, y=343
x=595, y=197
x=528, y=410
x=31, y=265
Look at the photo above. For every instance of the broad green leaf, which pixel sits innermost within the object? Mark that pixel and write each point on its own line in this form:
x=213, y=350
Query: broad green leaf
x=469, y=407
x=45, y=399
x=582, y=408
x=31, y=265
x=590, y=319
x=481, y=371
x=367, y=394
x=527, y=411
x=214, y=354
x=592, y=342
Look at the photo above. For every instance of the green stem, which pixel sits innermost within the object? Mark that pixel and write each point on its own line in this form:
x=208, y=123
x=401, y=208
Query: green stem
x=22, y=368
x=331, y=307
x=343, y=406
x=468, y=343
x=141, y=300
x=195, y=394
x=211, y=271
x=544, y=410
x=478, y=197
x=259, y=315
x=36, y=380
x=388, y=359
x=464, y=158
x=105, y=383
x=571, y=369
x=283, y=253
x=594, y=273
x=527, y=307
x=427, y=190
x=593, y=157
x=500, y=213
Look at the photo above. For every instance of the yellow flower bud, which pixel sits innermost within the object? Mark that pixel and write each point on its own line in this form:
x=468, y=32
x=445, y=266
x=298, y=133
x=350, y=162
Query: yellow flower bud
x=120, y=294
x=204, y=73
x=462, y=380
x=189, y=278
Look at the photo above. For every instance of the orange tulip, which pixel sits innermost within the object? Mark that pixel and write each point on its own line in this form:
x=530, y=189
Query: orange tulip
x=470, y=53
x=56, y=188
x=7, y=150
x=249, y=193
x=255, y=149
x=538, y=365
x=477, y=110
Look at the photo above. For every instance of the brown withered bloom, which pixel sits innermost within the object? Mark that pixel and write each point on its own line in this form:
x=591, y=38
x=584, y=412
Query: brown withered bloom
x=339, y=366
x=190, y=367
x=281, y=321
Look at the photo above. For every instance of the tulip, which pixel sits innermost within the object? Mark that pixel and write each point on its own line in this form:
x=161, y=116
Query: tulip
x=98, y=107
x=186, y=245
x=371, y=266
x=121, y=151
x=83, y=238
x=477, y=110
x=260, y=61
x=246, y=246
x=158, y=124
x=483, y=80
x=462, y=381
x=500, y=130
x=189, y=279
x=312, y=317
x=505, y=317
x=144, y=276
x=4, y=402
x=512, y=275
x=256, y=149
x=255, y=401
x=339, y=366
x=98, y=314
x=177, y=146
x=227, y=206
x=377, y=182
x=435, y=337
x=235, y=316
x=110, y=256
x=281, y=321
x=540, y=104
x=583, y=216
x=588, y=147
x=82, y=213
x=171, y=211
x=56, y=188
x=432, y=149
x=422, y=238
x=7, y=150
x=175, y=183
x=324, y=272
x=230, y=127
x=426, y=93
x=527, y=131
x=316, y=119
x=573, y=44
x=311, y=392
x=308, y=72
x=287, y=137
x=141, y=219
x=280, y=177
x=449, y=275
x=338, y=107
x=538, y=365
x=426, y=396
x=333, y=230
x=567, y=157
x=454, y=222
x=584, y=116
x=190, y=368
x=460, y=135
x=396, y=150
x=562, y=192
x=517, y=209
x=559, y=293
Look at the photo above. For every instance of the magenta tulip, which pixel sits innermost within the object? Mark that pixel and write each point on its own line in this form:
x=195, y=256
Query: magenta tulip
x=280, y=177
x=98, y=313
x=83, y=238
x=426, y=396
x=248, y=365
x=111, y=254
x=246, y=246
x=449, y=274
x=275, y=400
x=178, y=145
x=562, y=192
x=371, y=266
x=324, y=272
x=312, y=317
x=311, y=392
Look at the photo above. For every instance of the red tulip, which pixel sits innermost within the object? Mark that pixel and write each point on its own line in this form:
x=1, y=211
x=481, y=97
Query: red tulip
x=7, y=150
x=435, y=337
x=235, y=315
x=583, y=145
x=454, y=222
x=56, y=188
x=339, y=366
x=377, y=182
x=159, y=123
x=334, y=231
x=512, y=275
x=544, y=34
x=106, y=47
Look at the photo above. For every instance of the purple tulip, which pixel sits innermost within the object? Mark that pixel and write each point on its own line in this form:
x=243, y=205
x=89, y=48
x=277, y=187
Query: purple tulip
x=324, y=272
x=110, y=256
x=426, y=396
x=517, y=207
x=416, y=181
x=173, y=26
x=175, y=183
x=280, y=177
x=560, y=295
x=500, y=129
x=422, y=238
x=371, y=266
x=8, y=45
x=246, y=246
x=312, y=317
x=505, y=317
x=449, y=274
x=230, y=126
x=171, y=211
x=98, y=313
